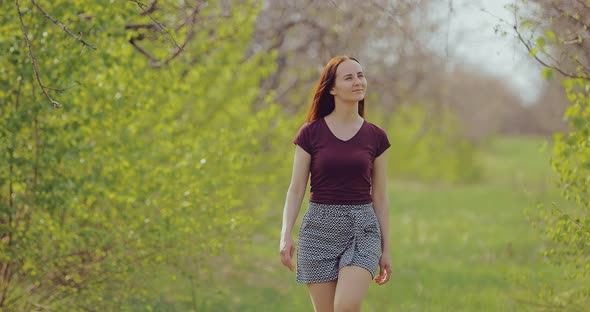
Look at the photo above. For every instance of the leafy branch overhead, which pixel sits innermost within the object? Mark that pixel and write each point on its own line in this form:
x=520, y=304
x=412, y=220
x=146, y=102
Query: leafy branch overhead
x=183, y=20
x=157, y=26
x=564, y=43
x=141, y=31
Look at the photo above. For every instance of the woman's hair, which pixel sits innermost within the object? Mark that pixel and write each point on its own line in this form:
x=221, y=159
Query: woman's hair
x=323, y=102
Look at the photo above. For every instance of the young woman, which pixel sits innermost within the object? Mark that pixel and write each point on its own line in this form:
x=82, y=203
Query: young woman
x=344, y=235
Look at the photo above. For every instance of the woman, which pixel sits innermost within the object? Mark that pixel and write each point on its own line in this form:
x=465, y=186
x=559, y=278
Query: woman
x=344, y=232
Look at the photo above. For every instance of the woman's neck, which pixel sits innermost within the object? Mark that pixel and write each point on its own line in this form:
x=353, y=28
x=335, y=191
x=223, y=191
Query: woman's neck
x=345, y=112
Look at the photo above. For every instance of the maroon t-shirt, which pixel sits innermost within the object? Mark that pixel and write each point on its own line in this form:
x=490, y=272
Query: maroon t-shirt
x=341, y=171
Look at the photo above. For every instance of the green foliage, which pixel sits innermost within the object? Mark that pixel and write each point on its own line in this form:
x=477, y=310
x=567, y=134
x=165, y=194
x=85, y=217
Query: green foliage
x=572, y=151
x=567, y=226
x=144, y=174
x=547, y=73
x=429, y=146
x=550, y=35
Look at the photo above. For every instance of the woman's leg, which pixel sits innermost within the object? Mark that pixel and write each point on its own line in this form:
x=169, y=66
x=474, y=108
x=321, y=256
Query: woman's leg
x=322, y=296
x=353, y=282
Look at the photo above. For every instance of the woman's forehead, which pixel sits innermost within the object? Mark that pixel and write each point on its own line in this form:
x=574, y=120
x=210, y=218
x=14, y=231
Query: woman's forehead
x=348, y=67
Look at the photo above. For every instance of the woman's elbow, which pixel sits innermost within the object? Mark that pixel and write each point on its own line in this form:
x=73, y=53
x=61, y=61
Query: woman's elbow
x=295, y=190
x=380, y=198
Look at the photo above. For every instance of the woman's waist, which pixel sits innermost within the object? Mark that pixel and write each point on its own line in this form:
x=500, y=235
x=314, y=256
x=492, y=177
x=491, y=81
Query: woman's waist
x=337, y=208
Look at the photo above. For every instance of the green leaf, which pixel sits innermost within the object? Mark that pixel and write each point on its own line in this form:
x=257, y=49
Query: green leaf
x=541, y=42
x=526, y=24
x=568, y=84
x=547, y=73
x=571, y=97
x=550, y=35
x=579, y=122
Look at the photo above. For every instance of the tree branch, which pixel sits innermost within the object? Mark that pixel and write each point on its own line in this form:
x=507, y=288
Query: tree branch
x=586, y=69
x=141, y=26
x=561, y=71
x=153, y=61
x=62, y=26
x=570, y=17
x=570, y=219
x=151, y=8
x=145, y=12
x=190, y=34
x=32, y=57
x=577, y=40
x=63, y=89
x=336, y=5
x=189, y=20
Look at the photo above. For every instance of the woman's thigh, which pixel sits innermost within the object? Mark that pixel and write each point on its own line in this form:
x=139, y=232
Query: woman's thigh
x=322, y=296
x=353, y=282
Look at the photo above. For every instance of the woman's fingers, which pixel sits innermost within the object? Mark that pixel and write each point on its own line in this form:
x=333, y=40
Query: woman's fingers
x=286, y=260
x=384, y=274
x=386, y=277
x=287, y=252
x=382, y=279
x=291, y=252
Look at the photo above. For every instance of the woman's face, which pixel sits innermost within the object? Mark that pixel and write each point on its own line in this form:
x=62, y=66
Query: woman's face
x=350, y=84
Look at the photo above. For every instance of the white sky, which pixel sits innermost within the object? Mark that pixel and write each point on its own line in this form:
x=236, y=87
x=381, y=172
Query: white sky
x=472, y=41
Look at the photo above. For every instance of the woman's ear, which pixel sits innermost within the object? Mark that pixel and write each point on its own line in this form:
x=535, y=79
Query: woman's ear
x=332, y=91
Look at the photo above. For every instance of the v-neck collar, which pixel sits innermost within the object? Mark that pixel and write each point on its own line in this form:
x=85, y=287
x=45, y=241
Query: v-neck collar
x=339, y=139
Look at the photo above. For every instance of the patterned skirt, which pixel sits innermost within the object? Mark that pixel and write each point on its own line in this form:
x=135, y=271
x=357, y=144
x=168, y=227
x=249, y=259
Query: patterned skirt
x=334, y=236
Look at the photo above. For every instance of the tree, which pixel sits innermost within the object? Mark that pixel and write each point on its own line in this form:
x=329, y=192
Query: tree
x=555, y=33
x=147, y=170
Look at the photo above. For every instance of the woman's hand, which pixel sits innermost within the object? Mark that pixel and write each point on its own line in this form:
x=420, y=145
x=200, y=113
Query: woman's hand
x=384, y=269
x=287, y=249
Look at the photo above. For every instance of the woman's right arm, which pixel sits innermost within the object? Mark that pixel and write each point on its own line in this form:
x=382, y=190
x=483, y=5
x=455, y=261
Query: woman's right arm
x=295, y=195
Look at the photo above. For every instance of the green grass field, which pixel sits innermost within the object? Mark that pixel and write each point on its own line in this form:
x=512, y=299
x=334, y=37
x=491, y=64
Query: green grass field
x=455, y=248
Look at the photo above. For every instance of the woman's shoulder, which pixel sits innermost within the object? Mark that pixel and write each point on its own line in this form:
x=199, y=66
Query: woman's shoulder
x=375, y=128
x=380, y=139
x=310, y=125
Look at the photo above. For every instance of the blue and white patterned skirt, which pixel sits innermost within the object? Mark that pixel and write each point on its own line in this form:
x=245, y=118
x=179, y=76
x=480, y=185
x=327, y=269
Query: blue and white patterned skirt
x=334, y=236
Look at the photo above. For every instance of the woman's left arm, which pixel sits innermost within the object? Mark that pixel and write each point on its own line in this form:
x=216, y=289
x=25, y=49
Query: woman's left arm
x=380, y=198
x=381, y=206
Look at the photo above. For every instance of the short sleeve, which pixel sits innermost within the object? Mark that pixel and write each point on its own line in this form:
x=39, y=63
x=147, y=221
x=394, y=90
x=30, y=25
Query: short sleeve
x=382, y=142
x=303, y=138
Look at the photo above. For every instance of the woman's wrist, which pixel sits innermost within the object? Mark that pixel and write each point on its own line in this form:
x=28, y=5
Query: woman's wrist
x=286, y=233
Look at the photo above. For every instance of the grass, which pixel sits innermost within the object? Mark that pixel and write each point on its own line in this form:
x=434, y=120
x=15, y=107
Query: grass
x=454, y=248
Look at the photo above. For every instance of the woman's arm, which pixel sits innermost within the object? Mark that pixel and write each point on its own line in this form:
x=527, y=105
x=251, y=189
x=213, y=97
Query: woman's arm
x=381, y=206
x=295, y=195
x=380, y=198
x=296, y=190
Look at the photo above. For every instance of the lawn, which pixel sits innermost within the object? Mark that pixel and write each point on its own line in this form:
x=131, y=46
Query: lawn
x=454, y=248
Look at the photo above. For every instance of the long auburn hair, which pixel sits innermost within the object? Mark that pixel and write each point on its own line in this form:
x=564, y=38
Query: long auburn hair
x=323, y=102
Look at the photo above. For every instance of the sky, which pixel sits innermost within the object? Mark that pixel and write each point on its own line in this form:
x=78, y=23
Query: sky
x=472, y=41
